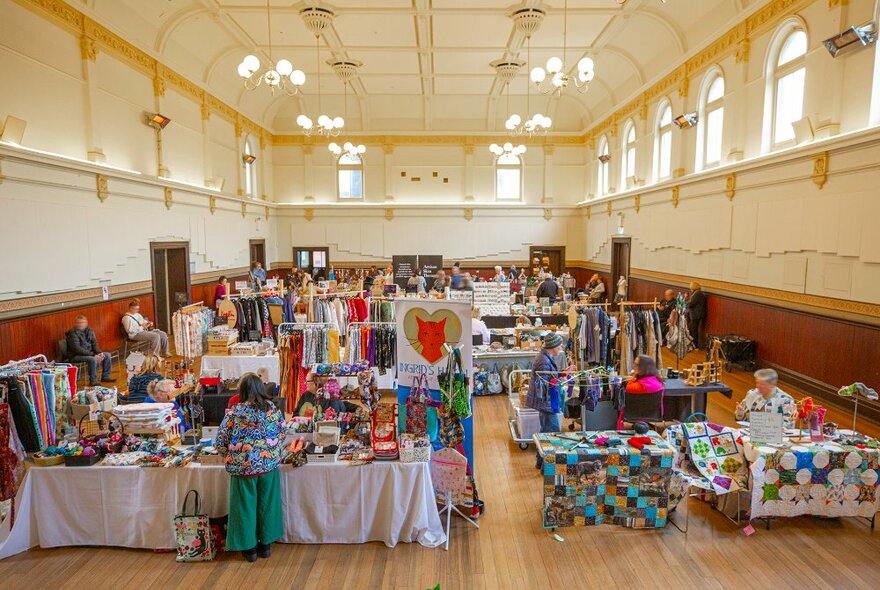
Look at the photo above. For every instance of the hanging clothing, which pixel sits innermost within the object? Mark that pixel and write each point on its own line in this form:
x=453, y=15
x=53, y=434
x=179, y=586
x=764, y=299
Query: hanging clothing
x=190, y=328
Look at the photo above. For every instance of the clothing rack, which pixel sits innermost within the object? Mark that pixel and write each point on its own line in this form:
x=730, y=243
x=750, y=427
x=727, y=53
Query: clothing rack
x=193, y=305
x=36, y=358
x=638, y=304
x=355, y=324
x=293, y=326
x=591, y=304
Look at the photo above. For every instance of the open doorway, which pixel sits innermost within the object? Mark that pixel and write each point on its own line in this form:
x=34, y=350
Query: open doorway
x=315, y=261
x=549, y=258
x=171, y=280
x=620, y=252
x=258, y=252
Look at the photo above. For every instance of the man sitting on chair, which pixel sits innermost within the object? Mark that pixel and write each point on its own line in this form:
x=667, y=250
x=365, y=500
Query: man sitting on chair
x=139, y=329
x=82, y=347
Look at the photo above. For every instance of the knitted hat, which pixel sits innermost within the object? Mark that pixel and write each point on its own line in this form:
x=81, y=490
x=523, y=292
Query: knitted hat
x=552, y=340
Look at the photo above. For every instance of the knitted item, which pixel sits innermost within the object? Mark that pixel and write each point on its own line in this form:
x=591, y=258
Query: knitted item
x=639, y=442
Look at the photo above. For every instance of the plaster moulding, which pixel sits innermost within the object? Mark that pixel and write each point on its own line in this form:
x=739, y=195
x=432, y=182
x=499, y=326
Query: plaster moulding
x=309, y=214
x=468, y=214
x=101, y=187
x=548, y=213
x=610, y=208
x=820, y=169
x=169, y=197
x=589, y=208
x=730, y=186
x=244, y=209
x=389, y=214
x=676, y=196
x=637, y=203
x=212, y=204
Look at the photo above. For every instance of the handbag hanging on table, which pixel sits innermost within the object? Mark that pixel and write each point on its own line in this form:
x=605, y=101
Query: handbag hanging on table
x=192, y=531
x=416, y=402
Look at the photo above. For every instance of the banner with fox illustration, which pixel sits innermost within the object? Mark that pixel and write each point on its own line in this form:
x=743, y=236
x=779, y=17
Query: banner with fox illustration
x=427, y=330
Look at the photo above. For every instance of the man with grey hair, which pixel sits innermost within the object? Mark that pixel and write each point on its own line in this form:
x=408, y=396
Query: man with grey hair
x=499, y=277
x=767, y=397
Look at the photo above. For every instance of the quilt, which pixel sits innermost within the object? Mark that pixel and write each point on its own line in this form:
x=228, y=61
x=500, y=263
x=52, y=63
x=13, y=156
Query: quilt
x=716, y=452
x=586, y=484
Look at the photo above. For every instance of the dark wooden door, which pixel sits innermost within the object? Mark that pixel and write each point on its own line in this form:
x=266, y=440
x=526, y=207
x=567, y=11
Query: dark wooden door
x=258, y=252
x=620, y=253
x=171, y=280
x=550, y=258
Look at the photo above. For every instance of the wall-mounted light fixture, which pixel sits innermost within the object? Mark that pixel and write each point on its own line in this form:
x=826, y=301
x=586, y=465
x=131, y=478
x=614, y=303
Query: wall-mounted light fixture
x=851, y=38
x=156, y=120
x=248, y=158
x=605, y=158
x=686, y=120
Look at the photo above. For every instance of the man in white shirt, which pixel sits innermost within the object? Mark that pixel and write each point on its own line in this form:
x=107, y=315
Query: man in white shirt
x=139, y=329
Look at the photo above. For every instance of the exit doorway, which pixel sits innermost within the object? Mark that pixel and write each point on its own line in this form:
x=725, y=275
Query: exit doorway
x=171, y=280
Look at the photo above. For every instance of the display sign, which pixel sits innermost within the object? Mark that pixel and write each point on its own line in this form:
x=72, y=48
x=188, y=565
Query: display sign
x=460, y=295
x=241, y=285
x=271, y=283
x=105, y=292
x=492, y=298
x=765, y=427
x=430, y=264
x=404, y=267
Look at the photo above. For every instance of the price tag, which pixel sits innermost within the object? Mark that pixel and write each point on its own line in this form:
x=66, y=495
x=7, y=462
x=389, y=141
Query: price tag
x=94, y=409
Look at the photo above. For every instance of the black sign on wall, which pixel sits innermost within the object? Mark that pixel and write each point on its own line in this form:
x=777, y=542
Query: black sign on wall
x=405, y=267
x=430, y=264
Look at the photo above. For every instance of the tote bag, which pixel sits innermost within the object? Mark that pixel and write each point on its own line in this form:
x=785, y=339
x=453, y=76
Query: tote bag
x=416, y=411
x=192, y=532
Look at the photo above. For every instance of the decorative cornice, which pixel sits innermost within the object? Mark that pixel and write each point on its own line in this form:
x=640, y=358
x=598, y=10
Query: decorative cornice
x=820, y=169
x=203, y=106
x=389, y=214
x=456, y=140
x=637, y=202
x=730, y=186
x=87, y=48
x=309, y=214
x=212, y=204
x=468, y=214
x=101, y=187
x=244, y=209
x=743, y=50
x=169, y=197
x=548, y=213
x=676, y=196
x=82, y=295
x=59, y=12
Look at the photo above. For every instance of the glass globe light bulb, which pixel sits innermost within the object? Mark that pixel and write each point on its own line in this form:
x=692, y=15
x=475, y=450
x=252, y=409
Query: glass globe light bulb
x=284, y=67
x=298, y=77
x=554, y=65
x=538, y=74
x=338, y=122
x=272, y=78
x=252, y=63
x=243, y=70
x=558, y=80
x=585, y=64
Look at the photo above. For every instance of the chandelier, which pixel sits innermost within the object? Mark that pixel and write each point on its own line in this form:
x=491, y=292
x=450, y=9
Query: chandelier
x=316, y=20
x=508, y=149
x=282, y=77
x=555, y=69
x=346, y=70
x=527, y=22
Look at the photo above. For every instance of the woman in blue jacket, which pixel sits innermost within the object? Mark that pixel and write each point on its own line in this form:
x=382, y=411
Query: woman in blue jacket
x=541, y=396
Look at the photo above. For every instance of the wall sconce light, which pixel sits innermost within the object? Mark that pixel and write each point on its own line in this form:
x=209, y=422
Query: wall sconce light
x=605, y=158
x=156, y=121
x=686, y=120
x=864, y=34
x=13, y=130
x=248, y=158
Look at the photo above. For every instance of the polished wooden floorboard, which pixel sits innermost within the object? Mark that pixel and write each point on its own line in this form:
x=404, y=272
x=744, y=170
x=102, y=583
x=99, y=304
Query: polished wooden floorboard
x=510, y=550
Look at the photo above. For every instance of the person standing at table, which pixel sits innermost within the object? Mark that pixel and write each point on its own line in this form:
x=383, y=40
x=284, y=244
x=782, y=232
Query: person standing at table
x=250, y=439
x=543, y=394
x=221, y=292
x=696, y=309
x=767, y=397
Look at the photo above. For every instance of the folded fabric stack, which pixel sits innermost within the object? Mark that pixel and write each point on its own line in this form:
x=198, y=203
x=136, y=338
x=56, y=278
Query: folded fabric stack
x=147, y=417
x=125, y=459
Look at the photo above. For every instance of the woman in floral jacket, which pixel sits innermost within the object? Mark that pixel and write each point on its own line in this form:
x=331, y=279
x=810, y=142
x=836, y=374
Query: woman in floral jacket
x=250, y=438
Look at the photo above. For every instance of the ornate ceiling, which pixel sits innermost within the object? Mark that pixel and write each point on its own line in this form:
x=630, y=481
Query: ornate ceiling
x=426, y=63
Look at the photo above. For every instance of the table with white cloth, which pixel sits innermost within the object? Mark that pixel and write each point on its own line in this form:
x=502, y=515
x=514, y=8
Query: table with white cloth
x=816, y=478
x=134, y=506
x=233, y=367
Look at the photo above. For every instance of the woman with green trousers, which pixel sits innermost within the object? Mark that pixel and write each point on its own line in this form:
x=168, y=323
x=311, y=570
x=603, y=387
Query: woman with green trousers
x=250, y=439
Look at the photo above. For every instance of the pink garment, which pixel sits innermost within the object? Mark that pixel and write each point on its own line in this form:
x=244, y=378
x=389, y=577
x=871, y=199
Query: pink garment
x=649, y=384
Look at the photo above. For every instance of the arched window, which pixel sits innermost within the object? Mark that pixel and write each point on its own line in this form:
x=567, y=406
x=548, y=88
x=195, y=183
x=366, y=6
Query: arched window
x=350, y=176
x=663, y=143
x=508, y=177
x=604, y=166
x=710, y=128
x=628, y=149
x=785, y=77
x=250, y=167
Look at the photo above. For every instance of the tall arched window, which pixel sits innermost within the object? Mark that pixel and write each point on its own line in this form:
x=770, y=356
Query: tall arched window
x=350, y=177
x=710, y=128
x=508, y=177
x=250, y=167
x=785, y=77
x=663, y=142
x=604, y=166
x=628, y=149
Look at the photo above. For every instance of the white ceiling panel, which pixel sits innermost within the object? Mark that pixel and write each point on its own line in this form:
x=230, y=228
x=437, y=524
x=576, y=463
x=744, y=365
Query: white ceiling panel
x=463, y=85
x=388, y=62
x=379, y=30
x=392, y=85
x=478, y=30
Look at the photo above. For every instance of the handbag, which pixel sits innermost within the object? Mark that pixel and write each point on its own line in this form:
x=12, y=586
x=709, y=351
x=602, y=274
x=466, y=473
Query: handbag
x=416, y=412
x=493, y=383
x=454, y=386
x=192, y=532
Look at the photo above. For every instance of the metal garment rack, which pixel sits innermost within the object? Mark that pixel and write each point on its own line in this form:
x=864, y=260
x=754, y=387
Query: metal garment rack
x=36, y=358
x=292, y=326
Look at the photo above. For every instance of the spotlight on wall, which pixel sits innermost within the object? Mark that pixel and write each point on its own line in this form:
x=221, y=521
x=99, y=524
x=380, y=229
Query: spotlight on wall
x=686, y=120
x=605, y=158
x=13, y=130
x=248, y=158
x=865, y=34
x=156, y=120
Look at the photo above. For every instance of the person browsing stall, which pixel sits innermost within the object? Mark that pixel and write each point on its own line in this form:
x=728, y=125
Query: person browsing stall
x=542, y=395
x=767, y=397
x=645, y=377
x=82, y=347
x=478, y=326
x=696, y=310
x=221, y=292
x=250, y=439
x=140, y=329
x=314, y=397
x=664, y=310
x=439, y=285
x=138, y=385
x=162, y=391
x=548, y=289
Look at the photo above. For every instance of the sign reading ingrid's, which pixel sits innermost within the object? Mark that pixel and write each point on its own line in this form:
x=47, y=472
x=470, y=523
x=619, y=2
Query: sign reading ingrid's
x=426, y=331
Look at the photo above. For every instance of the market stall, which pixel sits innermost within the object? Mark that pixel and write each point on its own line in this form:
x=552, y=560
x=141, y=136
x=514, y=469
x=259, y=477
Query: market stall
x=395, y=503
x=234, y=366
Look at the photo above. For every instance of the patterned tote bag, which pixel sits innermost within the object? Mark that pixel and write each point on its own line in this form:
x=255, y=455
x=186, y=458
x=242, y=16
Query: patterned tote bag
x=192, y=531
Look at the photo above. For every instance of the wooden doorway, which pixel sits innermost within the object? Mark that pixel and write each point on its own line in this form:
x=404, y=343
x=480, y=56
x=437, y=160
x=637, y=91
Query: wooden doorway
x=549, y=258
x=171, y=280
x=313, y=260
x=258, y=252
x=620, y=253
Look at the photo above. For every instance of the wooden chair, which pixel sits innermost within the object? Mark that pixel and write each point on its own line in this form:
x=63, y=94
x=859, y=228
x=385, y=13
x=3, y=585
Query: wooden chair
x=130, y=345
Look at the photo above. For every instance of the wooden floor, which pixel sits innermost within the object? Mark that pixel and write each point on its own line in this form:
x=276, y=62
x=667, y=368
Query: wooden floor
x=510, y=550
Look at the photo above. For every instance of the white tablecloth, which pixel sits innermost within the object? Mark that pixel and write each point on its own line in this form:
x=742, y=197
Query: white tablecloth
x=133, y=506
x=233, y=367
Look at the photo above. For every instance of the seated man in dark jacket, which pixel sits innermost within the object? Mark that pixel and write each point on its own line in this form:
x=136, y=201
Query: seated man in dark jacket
x=82, y=347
